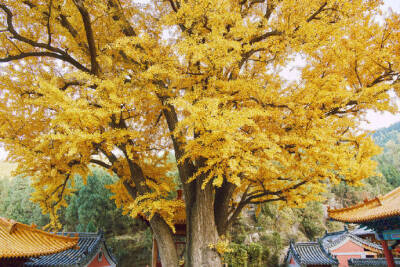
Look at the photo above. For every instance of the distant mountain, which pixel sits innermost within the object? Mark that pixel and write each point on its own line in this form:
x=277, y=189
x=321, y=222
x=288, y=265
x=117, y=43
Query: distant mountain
x=383, y=135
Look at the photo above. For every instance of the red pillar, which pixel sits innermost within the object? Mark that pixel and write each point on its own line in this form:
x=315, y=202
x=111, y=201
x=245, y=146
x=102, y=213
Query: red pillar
x=388, y=254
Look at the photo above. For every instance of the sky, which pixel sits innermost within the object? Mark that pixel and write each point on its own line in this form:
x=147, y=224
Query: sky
x=385, y=119
x=375, y=120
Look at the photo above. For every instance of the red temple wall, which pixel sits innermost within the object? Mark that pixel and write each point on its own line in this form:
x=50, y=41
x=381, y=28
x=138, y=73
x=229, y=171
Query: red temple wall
x=343, y=259
x=102, y=263
x=348, y=249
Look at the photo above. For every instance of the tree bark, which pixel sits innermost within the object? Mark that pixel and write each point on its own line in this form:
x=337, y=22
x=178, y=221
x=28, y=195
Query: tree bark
x=201, y=229
x=161, y=232
x=165, y=242
x=221, y=206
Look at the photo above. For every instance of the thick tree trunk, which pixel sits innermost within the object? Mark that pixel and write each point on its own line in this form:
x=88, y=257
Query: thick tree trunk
x=223, y=196
x=161, y=231
x=201, y=229
x=165, y=242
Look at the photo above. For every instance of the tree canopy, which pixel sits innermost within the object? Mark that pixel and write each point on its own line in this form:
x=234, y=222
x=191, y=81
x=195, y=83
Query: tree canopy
x=122, y=84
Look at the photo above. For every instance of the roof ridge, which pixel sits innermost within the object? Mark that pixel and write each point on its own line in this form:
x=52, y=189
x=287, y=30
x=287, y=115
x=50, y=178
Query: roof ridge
x=366, y=202
x=9, y=224
x=341, y=239
x=295, y=253
x=12, y=225
x=378, y=199
x=44, y=243
x=306, y=243
x=394, y=191
x=335, y=233
x=366, y=242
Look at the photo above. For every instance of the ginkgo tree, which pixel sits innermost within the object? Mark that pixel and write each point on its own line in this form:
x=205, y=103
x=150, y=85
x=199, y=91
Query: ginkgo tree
x=122, y=84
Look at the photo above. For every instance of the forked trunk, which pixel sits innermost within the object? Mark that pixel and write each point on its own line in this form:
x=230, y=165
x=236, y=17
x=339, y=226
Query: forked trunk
x=201, y=229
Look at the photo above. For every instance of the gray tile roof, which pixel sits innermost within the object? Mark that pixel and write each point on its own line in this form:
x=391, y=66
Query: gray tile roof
x=310, y=253
x=381, y=262
x=331, y=240
x=362, y=231
x=89, y=245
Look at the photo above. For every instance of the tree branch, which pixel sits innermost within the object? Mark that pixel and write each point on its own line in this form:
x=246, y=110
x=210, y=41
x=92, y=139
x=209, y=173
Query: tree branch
x=101, y=163
x=313, y=16
x=44, y=54
x=95, y=68
x=67, y=25
x=270, y=193
x=48, y=23
x=174, y=8
x=265, y=36
x=127, y=28
x=61, y=193
x=56, y=52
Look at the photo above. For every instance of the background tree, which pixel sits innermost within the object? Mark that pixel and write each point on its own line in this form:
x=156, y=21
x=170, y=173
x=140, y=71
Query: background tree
x=15, y=202
x=119, y=84
x=90, y=209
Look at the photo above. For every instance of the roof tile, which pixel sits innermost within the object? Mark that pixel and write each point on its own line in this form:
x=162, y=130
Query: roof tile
x=89, y=244
x=21, y=240
x=311, y=253
x=381, y=207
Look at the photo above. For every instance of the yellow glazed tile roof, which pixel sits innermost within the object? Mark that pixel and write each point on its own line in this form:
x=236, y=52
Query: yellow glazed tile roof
x=21, y=240
x=380, y=207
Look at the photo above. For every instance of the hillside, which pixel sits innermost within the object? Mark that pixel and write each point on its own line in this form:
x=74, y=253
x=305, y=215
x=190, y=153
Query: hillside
x=383, y=135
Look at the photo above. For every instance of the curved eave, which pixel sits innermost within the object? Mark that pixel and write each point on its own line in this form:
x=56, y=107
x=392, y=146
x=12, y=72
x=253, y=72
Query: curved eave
x=19, y=240
x=381, y=207
x=34, y=254
x=361, y=215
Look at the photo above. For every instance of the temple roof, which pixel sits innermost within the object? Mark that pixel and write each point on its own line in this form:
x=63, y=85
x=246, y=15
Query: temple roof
x=21, y=240
x=381, y=207
x=360, y=231
x=381, y=262
x=310, y=253
x=89, y=246
x=334, y=240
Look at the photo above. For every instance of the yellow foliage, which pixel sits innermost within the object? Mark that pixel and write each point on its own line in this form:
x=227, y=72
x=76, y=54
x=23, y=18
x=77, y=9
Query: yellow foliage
x=222, y=246
x=122, y=85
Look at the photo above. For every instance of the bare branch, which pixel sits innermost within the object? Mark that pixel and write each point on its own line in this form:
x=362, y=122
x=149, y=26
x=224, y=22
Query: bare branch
x=264, y=193
x=67, y=25
x=248, y=54
x=238, y=209
x=95, y=68
x=48, y=23
x=29, y=3
x=313, y=16
x=41, y=54
x=54, y=52
x=173, y=5
x=101, y=163
x=270, y=9
x=272, y=105
x=358, y=76
x=61, y=193
x=265, y=36
x=126, y=27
